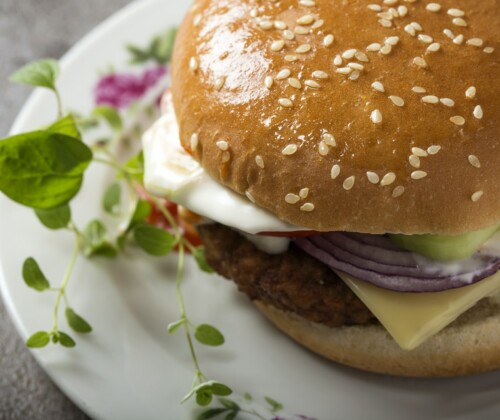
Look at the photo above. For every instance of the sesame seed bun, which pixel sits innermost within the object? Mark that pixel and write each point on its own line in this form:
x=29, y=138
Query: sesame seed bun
x=468, y=346
x=334, y=116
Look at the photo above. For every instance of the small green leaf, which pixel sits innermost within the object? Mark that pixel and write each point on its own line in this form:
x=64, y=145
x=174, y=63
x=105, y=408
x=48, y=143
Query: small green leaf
x=67, y=126
x=174, y=326
x=33, y=275
x=41, y=73
x=209, y=335
x=38, y=340
x=111, y=116
x=203, y=397
x=135, y=167
x=231, y=416
x=275, y=405
x=199, y=256
x=65, y=340
x=220, y=389
x=55, y=218
x=211, y=413
x=231, y=405
x=142, y=211
x=153, y=240
x=247, y=396
x=165, y=46
x=76, y=322
x=137, y=54
x=112, y=197
x=96, y=241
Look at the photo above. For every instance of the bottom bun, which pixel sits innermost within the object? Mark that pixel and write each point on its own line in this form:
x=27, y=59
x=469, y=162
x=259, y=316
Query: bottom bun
x=469, y=345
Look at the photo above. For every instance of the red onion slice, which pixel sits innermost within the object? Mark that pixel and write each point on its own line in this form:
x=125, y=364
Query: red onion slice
x=375, y=259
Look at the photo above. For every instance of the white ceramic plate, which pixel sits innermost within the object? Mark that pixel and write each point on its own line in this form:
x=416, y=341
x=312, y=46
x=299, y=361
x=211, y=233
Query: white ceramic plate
x=129, y=368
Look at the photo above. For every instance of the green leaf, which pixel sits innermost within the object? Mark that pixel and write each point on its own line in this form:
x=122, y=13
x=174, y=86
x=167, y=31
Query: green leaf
x=199, y=256
x=67, y=126
x=174, y=326
x=33, y=275
x=135, y=167
x=38, y=340
x=231, y=405
x=153, y=240
x=76, y=322
x=55, y=218
x=112, y=197
x=65, y=340
x=275, y=405
x=220, y=389
x=111, y=116
x=247, y=396
x=231, y=416
x=42, y=169
x=96, y=241
x=209, y=335
x=211, y=413
x=204, y=397
x=142, y=211
x=137, y=54
x=162, y=46
x=41, y=73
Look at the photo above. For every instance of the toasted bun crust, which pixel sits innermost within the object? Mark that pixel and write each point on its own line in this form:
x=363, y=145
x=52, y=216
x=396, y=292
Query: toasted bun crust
x=470, y=345
x=226, y=49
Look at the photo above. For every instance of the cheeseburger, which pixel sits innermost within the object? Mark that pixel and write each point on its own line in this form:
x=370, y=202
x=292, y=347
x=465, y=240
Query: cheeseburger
x=344, y=158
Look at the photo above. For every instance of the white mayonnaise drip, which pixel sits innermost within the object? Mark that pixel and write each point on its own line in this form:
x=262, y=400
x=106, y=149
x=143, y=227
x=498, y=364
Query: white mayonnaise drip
x=173, y=174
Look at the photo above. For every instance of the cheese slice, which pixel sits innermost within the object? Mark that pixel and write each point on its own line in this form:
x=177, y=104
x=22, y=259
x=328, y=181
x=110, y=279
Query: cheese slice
x=412, y=318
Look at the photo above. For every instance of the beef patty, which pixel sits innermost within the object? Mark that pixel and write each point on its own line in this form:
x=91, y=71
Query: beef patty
x=292, y=281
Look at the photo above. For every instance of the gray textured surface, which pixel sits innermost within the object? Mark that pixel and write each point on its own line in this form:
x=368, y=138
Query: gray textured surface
x=31, y=29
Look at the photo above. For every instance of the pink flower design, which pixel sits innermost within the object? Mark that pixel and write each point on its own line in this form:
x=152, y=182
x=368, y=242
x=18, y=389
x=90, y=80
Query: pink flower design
x=120, y=90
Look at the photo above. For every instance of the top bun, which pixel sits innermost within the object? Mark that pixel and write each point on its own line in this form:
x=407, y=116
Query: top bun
x=339, y=115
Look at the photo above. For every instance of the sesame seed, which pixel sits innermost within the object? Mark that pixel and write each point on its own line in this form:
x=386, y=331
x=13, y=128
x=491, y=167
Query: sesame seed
x=459, y=22
x=303, y=49
x=193, y=64
x=323, y=148
x=348, y=54
x=344, y=70
x=318, y=24
x=312, y=84
x=470, y=93
x=474, y=161
x=417, y=151
x=254, y=13
x=295, y=83
x=328, y=40
x=379, y=87
x=285, y=102
x=301, y=30
x=226, y=156
x=433, y=7
x=386, y=23
x=290, y=149
x=475, y=42
x=335, y=172
x=269, y=81
x=375, y=47
x=459, y=40
x=194, y=141
x=456, y=12
x=449, y=33
x=386, y=49
x=388, y=179
x=356, y=66
x=307, y=207
x=304, y=192
x=288, y=35
x=425, y=38
x=458, y=120
x=414, y=161
x=410, y=30
x=447, y=102
x=433, y=150
x=489, y=50
x=390, y=2
x=355, y=75
x=306, y=20
x=278, y=45
x=259, y=161
x=418, y=89
x=434, y=47
x=417, y=26
x=478, y=112
x=266, y=25
x=420, y=62
x=292, y=198
x=361, y=56
x=280, y=25
x=283, y=74
x=291, y=58
x=222, y=145
x=372, y=177
x=418, y=175
x=197, y=19
x=430, y=99
x=219, y=82
x=402, y=10
x=250, y=196
x=392, y=40
x=375, y=7
x=398, y=191
x=477, y=196
x=385, y=15
x=329, y=139
x=376, y=117
x=396, y=100
x=307, y=3
x=349, y=183
x=318, y=74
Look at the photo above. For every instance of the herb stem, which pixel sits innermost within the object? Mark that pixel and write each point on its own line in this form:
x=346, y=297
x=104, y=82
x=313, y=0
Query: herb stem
x=108, y=162
x=59, y=104
x=164, y=211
